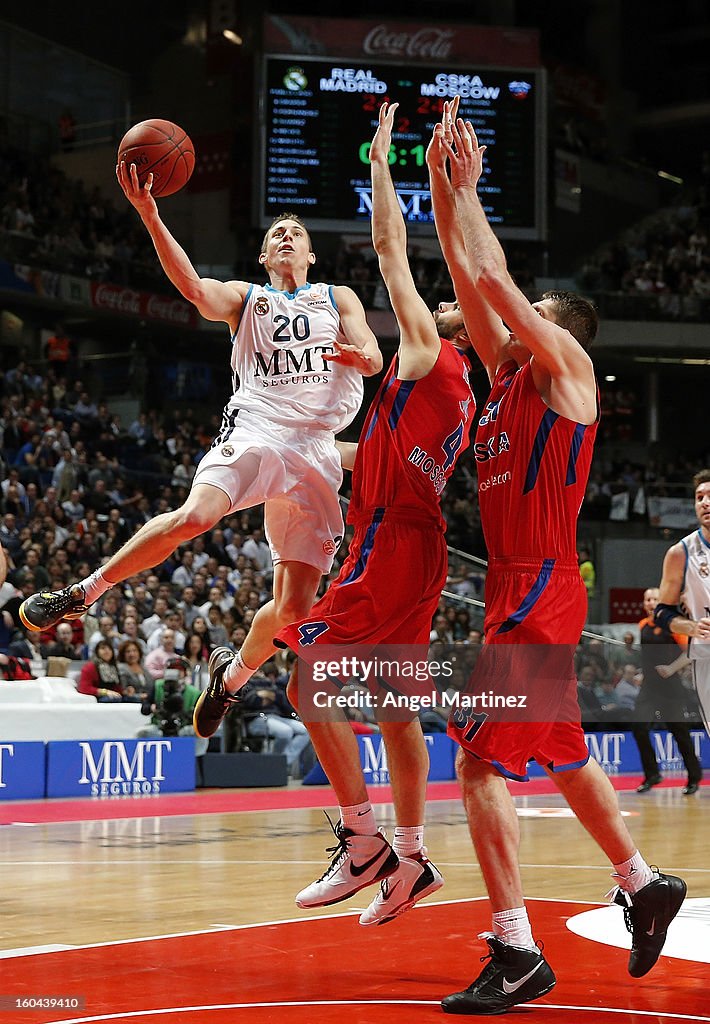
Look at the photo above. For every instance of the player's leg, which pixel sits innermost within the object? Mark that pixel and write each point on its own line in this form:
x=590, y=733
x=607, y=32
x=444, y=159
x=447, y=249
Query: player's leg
x=416, y=876
x=151, y=545
x=295, y=586
x=362, y=855
x=650, y=899
x=684, y=741
x=516, y=971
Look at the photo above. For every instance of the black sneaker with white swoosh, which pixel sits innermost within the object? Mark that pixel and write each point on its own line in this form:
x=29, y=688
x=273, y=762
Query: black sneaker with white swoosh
x=647, y=914
x=513, y=975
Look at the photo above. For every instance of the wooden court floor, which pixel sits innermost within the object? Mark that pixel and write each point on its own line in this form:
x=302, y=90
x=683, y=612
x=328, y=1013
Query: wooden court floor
x=191, y=918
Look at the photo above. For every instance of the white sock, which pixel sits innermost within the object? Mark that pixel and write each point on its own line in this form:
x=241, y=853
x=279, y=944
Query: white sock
x=237, y=675
x=408, y=841
x=632, y=874
x=359, y=818
x=94, y=586
x=513, y=927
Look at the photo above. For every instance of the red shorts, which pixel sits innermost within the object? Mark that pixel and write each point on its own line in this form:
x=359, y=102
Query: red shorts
x=539, y=609
x=387, y=591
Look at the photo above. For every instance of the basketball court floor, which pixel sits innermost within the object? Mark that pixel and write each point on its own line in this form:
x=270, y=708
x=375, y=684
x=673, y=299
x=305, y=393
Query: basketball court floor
x=179, y=910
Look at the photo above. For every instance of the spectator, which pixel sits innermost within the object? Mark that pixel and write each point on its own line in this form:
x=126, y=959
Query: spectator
x=99, y=677
x=587, y=571
x=64, y=646
x=157, y=659
x=274, y=717
x=135, y=680
x=627, y=689
x=197, y=654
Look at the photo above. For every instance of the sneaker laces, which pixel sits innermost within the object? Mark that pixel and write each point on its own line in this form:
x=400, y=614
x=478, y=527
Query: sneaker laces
x=340, y=851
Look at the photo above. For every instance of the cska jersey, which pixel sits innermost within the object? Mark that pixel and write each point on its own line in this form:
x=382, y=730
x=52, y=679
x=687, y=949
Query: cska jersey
x=533, y=466
x=278, y=369
x=413, y=434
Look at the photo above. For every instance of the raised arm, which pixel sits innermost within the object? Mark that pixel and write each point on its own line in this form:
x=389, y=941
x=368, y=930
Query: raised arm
x=216, y=300
x=361, y=350
x=419, y=341
x=667, y=612
x=485, y=329
x=562, y=369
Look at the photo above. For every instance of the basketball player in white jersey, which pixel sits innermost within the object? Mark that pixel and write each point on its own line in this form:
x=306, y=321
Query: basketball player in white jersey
x=299, y=352
x=684, y=599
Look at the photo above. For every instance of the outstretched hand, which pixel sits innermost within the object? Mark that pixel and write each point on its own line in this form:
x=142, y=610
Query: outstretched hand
x=380, y=148
x=350, y=355
x=137, y=195
x=436, y=153
x=464, y=153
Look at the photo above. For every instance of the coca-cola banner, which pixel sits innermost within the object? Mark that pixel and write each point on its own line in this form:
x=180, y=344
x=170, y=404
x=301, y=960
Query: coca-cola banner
x=131, y=302
x=403, y=40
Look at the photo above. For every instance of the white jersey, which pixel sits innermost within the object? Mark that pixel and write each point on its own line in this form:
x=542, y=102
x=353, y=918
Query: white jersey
x=695, y=593
x=278, y=369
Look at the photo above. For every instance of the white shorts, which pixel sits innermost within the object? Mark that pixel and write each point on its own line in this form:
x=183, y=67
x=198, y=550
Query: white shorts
x=294, y=472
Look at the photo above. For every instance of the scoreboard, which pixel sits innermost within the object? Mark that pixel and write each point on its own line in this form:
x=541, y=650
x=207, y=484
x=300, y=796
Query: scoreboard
x=319, y=116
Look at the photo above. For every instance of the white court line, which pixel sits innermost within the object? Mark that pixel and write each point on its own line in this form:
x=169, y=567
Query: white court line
x=279, y=863
x=36, y=950
x=365, y=1002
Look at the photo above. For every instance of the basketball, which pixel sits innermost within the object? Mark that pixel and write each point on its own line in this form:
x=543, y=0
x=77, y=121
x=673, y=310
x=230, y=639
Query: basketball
x=161, y=148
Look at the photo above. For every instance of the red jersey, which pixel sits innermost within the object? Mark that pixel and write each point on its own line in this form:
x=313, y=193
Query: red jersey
x=533, y=466
x=413, y=434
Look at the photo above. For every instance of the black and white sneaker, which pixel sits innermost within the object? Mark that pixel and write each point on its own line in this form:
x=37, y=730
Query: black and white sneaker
x=647, y=915
x=512, y=975
x=215, y=702
x=412, y=880
x=357, y=862
x=48, y=607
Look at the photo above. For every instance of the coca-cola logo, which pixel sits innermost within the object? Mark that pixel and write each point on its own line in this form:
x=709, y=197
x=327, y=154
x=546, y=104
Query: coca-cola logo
x=425, y=42
x=172, y=310
x=122, y=300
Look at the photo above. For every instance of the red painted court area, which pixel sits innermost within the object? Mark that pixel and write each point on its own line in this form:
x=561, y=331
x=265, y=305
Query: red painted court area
x=231, y=801
x=331, y=970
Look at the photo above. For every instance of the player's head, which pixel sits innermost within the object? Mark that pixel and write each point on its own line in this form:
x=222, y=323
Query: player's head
x=287, y=244
x=701, y=485
x=650, y=599
x=569, y=310
x=449, y=323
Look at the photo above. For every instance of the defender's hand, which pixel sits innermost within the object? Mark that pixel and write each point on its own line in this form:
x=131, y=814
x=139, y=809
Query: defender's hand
x=380, y=148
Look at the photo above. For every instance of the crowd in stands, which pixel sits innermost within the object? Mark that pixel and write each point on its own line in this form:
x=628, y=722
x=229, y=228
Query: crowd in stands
x=609, y=679
x=60, y=224
x=664, y=262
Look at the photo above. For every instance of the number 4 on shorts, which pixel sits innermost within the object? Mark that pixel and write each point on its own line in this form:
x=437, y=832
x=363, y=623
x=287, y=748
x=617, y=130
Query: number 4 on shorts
x=309, y=632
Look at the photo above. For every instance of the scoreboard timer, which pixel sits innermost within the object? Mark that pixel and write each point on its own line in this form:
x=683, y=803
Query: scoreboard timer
x=320, y=115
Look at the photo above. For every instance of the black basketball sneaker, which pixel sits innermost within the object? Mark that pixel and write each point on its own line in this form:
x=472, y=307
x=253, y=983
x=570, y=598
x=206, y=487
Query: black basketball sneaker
x=215, y=701
x=40, y=611
x=512, y=975
x=647, y=914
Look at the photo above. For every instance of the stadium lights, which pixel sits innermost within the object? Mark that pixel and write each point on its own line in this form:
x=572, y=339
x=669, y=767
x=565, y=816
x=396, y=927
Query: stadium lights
x=670, y=177
x=233, y=37
x=610, y=378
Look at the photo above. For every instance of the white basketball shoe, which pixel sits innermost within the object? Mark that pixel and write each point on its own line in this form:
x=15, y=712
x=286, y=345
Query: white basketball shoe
x=414, y=878
x=358, y=861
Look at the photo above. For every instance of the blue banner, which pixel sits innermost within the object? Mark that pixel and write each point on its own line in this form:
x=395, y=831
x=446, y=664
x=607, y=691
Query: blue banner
x=107, y=768
x=22, y=771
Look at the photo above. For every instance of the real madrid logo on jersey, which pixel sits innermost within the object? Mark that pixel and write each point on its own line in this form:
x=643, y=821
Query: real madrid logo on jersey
x=227, y=451
x=704, y=569
x=261, y=306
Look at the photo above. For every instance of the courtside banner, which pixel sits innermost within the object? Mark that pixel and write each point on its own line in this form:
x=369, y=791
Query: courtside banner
x=106, y=768
x=22, y=771
x=373, y=758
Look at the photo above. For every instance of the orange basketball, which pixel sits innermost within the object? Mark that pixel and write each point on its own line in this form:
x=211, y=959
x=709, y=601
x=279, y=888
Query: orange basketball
x=161, y=148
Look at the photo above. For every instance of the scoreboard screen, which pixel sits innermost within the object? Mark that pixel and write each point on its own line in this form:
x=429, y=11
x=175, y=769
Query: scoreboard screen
x=320, y=115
